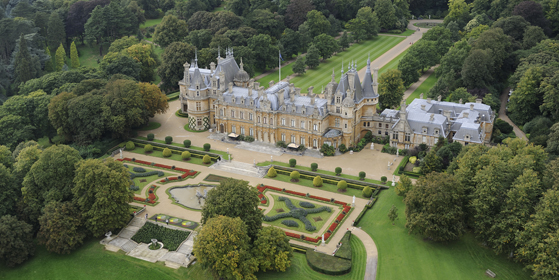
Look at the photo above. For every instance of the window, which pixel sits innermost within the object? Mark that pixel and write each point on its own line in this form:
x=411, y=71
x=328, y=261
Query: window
x=250, y=116
x=303, y=124
x=345, y=125
x=337, y=123
x=315, y=127
x=198, y=106
x=198, y=121
x=368, y=124
x=258, y=119
x=221, y=112
x=302, y=140
x=282, y=121
x=407, y=146
x=407, y=137
x=265, y=120
x=467, y=137
x=386, y=126
x=424, y=130
x=395, y=135
x=436, y=131
x=424, y=139
x=215, y=92
x=380, y=125
x=338, y=110
x=386, y=133
x=293, y=138
x=242, y=115
x=314, y=143
x=271, y=121
x=233, y=129
x=379, y=132
x=242, y=130
x=197, y=92
x=292, y=123
x=232, y=113
x=283, y=137
x=364, y=123
x=250, y=132
x=338, y=99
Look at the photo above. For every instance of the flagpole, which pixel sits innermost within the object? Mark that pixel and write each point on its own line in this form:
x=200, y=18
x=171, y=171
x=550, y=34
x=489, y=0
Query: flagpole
x=279, y=62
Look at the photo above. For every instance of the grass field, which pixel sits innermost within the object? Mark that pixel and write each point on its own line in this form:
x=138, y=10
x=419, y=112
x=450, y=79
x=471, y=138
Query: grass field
x=90, y=54
x=320, y=76
x=151, y=22
x=281, y=204
x=404, y=256
x=423, y=88
x=393, y=64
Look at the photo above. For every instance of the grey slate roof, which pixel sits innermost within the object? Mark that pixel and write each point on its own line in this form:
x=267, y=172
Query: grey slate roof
x=368, y=91
x=332, y=133
x=471, y=129
x=229, y=67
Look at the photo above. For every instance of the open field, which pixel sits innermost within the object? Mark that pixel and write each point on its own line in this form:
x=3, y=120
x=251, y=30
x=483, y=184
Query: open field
x=90, y=54
x=321, y=75
x=404, y=256
x=151, y=22
x=423, y=88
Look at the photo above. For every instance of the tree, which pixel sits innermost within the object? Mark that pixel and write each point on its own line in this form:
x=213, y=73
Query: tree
x=102, y=195
x=365, y=25
x=24, y=70
x=403, y=186
x=56, y=31
x=458, y=11
x=391, y=89
x=78, y=14
x=326, y=45
x=299, y=66
x=477, y=70
x=385, y=12
x=553, y=140
x=291, y=43
x=532, y=36
x=171, y=29
x=171, y=69
x=296, y=12
x=49, y=65
x=342, y=186
x=461, y=94
x=265, y=52
x=222, y=245
x=123, y=107
x=74, y=56
x=10, y=189
x=312, y=59
x=145, y=54
x=409, y=65
x=533, y=13
x=434, y=207
x=17, y=238
x=61, y=227
x=431, y=163
x=60, y=58
x=120, y=63
x=317, y=23
x=272, y=250
x=239, y=7
x=123, y=43
x=367, y=192
x=266, y=22
x=14, y=130
x=393, y=214
x=527, y=96
x=514, y=26
x=242, y=201
x=155, y=101
x=344, y=41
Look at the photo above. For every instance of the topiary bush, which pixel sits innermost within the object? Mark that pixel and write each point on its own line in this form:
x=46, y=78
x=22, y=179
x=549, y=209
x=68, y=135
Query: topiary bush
x=148, y=148
x=187, y=143
x=342, y=148
x=295, y=176
x=306, y=204
x=317, y=181
x=138, y=169
x=167, y=152
x=151, y=137
x=290, y=223
x=383, y=179
x=272, y=172
x=362, y=175
x=207, y=147
x=185, y=155
x=338, y=171
x=130, y=146
x=367, y=192
x=342, y=186
x=134, y=188
x=206, y=159
x=314, y=166
x=292, y=162
x=168, y=139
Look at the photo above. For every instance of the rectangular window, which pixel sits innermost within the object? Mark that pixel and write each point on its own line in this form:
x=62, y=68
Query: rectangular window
x=395, y=135
x=380, y=125
x=233, y=129
x=282, y=121
x=379, y=132
x=258, y=119
x=302, y=140
x=407, y=137
x=345, y=125
x=250, y=132
x=303, y=124
x=264, y=120
x=198, y=106
x=283, y=137
x=293, y=138
x=338, y=110
x=198, y=121
x=314, y=143
x=315, y=127
x=386, y=126
x=250, y=116
x=242, y=130
x=271, y=121
x=242, y=115
x=232, y=113
x=292, y=123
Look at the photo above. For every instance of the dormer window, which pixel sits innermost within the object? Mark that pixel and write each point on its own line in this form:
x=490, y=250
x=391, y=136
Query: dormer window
x=338, y=99
x=338, y=110
x=467, y=137
x=251, y=103
x=436, y=131
x=242, y=101
x=424, y=130
x=197, y=93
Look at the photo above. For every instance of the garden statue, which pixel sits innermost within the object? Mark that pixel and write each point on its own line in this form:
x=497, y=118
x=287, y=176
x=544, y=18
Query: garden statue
x=353, y=204
x=393, y=180
x=397, y=152
x=108, y=234
x=323, y=244
x=372, y=146
x=271, y=158
x=120, y=153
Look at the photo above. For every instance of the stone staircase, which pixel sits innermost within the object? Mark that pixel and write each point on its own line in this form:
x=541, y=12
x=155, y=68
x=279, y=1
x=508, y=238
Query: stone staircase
x=241, y=168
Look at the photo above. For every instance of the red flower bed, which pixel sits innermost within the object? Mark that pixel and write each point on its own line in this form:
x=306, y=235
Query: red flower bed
x=187, y=172
x=151, y=196
x=340, y=217
x=313, y=240
x=333, y=227
x=292, y=235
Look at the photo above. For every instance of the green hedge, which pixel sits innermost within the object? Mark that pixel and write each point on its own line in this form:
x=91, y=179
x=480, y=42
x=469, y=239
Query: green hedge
x=170, y=238
x=298, y=248
x=176, y=150
x=327, y=264
x=344, y=251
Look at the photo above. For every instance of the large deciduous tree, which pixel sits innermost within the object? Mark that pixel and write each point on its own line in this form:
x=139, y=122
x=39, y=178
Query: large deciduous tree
x=527, y=96
x=391, y=89
x=61, y=227
x=365, y=25
x=296, y=12
x=317, y=23
x=272, y=250
x=223, y=247
x=266, y=54
x=171, y=29
x=17, y=240
x=173, y=58
x=385, y=12
x=155, y=101
x=312, y=59
x=121, y=63
x=123, y=107
x=102, y=195
x=477, y=69
x=234, y=198
x=434, y=207
x=326, y=45
x=144, y=53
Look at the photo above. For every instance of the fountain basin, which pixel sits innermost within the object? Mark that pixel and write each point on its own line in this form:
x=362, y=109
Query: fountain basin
x=191, y=196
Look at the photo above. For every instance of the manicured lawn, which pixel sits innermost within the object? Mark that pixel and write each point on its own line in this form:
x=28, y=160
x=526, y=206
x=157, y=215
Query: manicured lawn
x=423, y=88
x=151, y=22
x=176, y=157
x=325, y=186
x=321, y=75
x=90, y=54
x=148, y=180
x=281, y=204
x=149, y=126
x=408, y=32
x=404, y=256
x=300, y=270
x=224, y=154
x=393, y=64
x=286, y=70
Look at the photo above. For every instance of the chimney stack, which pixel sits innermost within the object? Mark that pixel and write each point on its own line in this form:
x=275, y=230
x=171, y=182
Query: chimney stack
x=310, y=89
x=230, y=87
x=478, y=100
x=439, y=98
x=432, y=117
x=460, y=101
x=423, y=107
x=271, y=83
x=472, y=106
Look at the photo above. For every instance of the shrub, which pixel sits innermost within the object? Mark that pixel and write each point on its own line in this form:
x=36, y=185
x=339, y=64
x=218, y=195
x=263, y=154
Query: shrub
x=383, y=179
x=314, y=166
x=187, y=143
x=207, y=147
x=272, y=172
x=413, y=160
x=342, y=186
x=167, y=152
x=185, y=155
x=290, y=223
x=317, y=181
x=342, y=148
x=281, y=144
x=292, y=162
x=338, y=171
x=151, y=137
x=134, y=188
x=168, y=139
x=295, y=176
x=306, y=204
x=148, y=148
x=138, y=169
x=367, y=191
x=206, y=159
x=130, y=146
x=362, y=175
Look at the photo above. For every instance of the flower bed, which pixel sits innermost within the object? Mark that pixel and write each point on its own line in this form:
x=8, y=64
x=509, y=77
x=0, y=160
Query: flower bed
x=174, y=221
x=151, y=198
x=333, y=227
x=187, y=172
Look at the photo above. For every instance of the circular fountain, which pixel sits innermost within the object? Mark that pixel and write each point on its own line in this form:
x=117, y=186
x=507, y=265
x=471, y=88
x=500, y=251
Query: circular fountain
x=191, y=196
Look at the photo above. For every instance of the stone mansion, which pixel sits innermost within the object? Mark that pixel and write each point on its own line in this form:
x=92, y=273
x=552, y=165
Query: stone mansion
x=225, y=99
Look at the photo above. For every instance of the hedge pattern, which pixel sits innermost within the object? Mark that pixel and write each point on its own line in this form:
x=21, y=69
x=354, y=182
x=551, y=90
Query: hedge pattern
x=309, y=175
x=306, y=204
x=146, y=174
x=176, y=150
x=138, y=169
x=327, y=264
x=344, y=251
x=290, y=223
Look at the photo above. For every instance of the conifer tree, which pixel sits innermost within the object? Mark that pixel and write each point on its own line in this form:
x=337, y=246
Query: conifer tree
x=60, y=58
x=49, y=65
x=24, y=71
x=55, y=30
x=74, y=56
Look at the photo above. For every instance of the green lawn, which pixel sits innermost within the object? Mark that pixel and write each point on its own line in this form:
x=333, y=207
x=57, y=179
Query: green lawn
x=393, y=64
x=325, y=186
x=281, y=204
x=150, y=22
x=320, y=76
x=148, y=180
x=224, y=154
x=176, y=157
x=408, y=32
x=404, y=256
x=423, y=88
x=90, y=54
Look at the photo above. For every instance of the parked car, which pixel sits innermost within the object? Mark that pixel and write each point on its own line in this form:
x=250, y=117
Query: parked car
x=510, y=92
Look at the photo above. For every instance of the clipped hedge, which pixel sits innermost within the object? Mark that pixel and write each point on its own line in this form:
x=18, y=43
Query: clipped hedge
x=177, y=150
x=306, y=204
x=329, y=179
x=290, y=223
x=146, y=174
x=344, y=251
x=138, y=169
x=327, y=264
x=170, y=238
